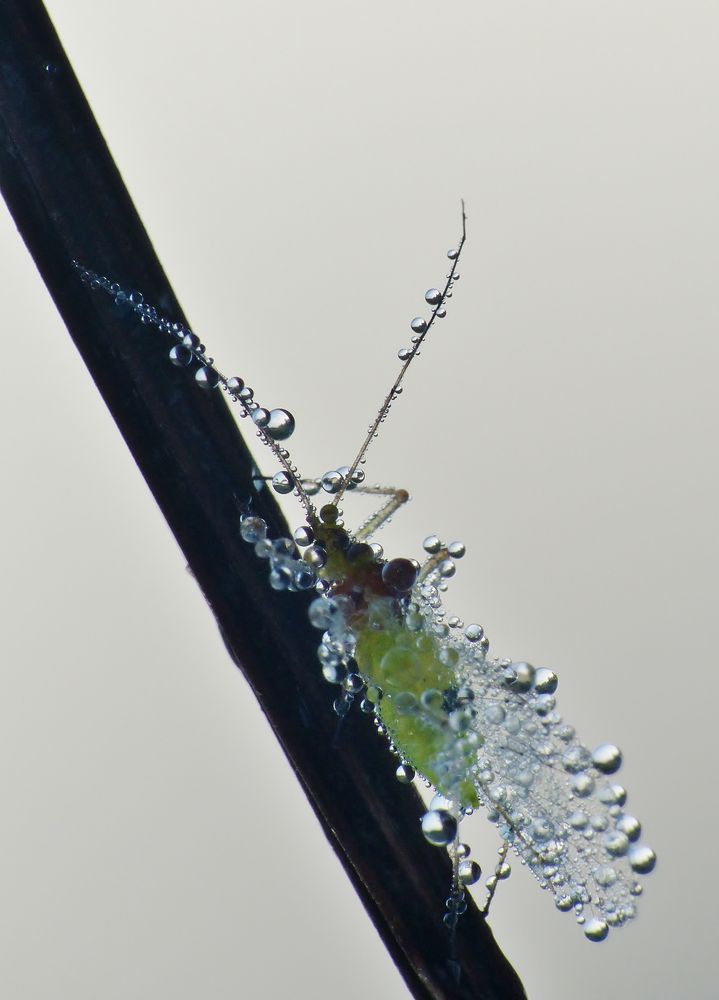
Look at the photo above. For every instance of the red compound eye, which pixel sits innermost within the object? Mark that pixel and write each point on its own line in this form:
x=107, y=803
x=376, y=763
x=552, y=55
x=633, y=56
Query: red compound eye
x=400, y=574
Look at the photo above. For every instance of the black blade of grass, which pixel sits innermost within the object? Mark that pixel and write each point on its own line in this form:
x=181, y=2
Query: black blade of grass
x=68, y=200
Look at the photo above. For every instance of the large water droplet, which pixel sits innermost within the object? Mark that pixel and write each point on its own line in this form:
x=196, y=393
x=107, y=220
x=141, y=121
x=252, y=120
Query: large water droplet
x=304, y=535
x=469, y=872
x=235, y=385
x=332, y=481
x=595, y=929
x=616, y=843
x=519, y=676
x=253, y=529
x=405, y=774
x=576, y=759
x=281, y=424
x=642, y=859
x=431, y=544
x=433, y=296
x=315, y=555
x=439, y=827
x=207, y=378
x=418, y=324
x=180, y=356
x=607, y=758
x=474, y=632
x=629, y=825
x=545, y=681
x=613, y=795
x=282, y=483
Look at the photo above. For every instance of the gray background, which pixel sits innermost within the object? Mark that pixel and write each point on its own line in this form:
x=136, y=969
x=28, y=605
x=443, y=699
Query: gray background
x=561, y=422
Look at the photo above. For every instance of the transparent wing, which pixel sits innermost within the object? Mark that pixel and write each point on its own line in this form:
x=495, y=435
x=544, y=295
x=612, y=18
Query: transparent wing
x=555, y=801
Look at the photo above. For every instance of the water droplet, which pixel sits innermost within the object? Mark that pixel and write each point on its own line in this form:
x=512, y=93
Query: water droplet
x=332, y=481
x=282, y=483
x=207, y=378
x=304, y=577
x=582, y=785
x=404, y=353
x=446, y=568
x=607, y=758
x=280, y=578
x=353, y=683
x=453, y=254
x=519, y=676
x=253, y=529
x=281, y=424
x=304, y=535
x=474, y=632
x=431, y=544
x=439, y=827
x=576, y=759
x=315, y=555
x=642, y=859
x=595, y=929
x=456, y=549
x=260, y=416
x=418, y=324
x=605, y=876
x=613, y=795
x=405, y=774
x=235, y=385
x=342, y=704
x=433, y=296
x=263, y=548
x=541, y=829
x=629, y=825
x=180, y=356
x=616, y=843
x=469, y=872
x=545, y=681
x=334, y=673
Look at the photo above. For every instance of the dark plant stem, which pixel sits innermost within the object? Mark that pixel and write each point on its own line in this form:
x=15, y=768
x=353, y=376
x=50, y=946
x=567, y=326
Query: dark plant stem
x=69, y=201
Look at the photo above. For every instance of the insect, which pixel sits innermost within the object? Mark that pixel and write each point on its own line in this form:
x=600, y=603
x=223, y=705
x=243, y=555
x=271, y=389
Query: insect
x=483, y=731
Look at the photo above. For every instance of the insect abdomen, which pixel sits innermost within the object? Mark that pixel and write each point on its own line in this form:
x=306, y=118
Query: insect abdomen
x=415, y=706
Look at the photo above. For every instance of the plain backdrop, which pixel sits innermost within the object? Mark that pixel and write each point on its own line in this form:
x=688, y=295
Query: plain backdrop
x=299, y=167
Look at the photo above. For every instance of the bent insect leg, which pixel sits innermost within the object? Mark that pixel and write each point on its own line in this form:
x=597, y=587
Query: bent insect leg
x=502, y=871
x=396, y=498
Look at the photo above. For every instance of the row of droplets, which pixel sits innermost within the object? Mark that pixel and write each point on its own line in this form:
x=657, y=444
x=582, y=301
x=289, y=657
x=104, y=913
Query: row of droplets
x=273, y=425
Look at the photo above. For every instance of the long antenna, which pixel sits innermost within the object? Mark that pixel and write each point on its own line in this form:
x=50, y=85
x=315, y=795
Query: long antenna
x=436, y=300
x=272, y=426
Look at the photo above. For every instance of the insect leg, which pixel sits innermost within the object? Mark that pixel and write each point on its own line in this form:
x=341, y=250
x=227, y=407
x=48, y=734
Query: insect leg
x=501, y=871
x=395, y=499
